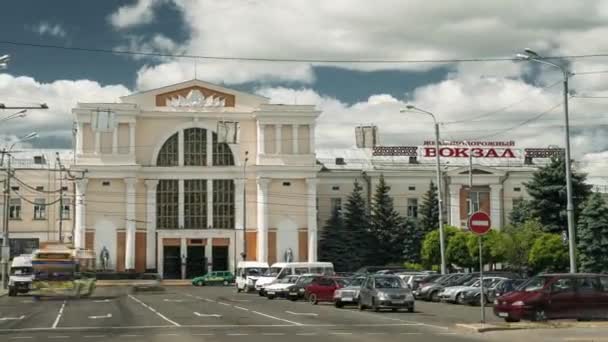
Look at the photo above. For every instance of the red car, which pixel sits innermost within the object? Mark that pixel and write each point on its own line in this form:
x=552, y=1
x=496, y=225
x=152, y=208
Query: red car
x=322, y=289
x=556, y=296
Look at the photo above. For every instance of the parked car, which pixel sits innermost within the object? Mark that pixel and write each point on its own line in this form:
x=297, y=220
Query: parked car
x=281, y=287
x=385, y=291
x=322, y=289
x=280, y=270
x=215, y=277
x=21, y=275
x=298, y=290
x=455, y=294
x=247, y=274
x=348, y=295
x=424, y=279
x=431, y=291
x=471, y=296
x=409, y=277
x=556, y=296
x=373, y=269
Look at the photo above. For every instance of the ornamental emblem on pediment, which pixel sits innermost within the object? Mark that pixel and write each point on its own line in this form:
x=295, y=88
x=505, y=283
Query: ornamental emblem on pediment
x=195, y=98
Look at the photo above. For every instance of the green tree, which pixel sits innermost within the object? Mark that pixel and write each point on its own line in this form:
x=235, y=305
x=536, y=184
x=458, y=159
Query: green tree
x=430, y=253
x=473, y=245
x=333, y=246
x=357, y=226
x=548, y=254
x=428, y=212
x=592, y=234
x=518, y=241
x=548, y=191
x=412, y=242
x=388, y=227
x=457, y=251
x=521, y=213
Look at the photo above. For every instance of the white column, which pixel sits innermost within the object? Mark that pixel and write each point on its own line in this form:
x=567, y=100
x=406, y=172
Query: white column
x=183, y=256
x=159, y=256
x=209, y=147
x=180, y=147
x=130, y=223
x=80, y=214
x=180, y=203
x=496, y=205
x=261, y=146
x=311, y=138
x=208, y=252
x=262, y=237
x=151, y=223
x=97, y=142
x=210, y=203
x=311, y=203
x=79, y=138
x=132, y=138
x=239, y=185
x=455, y=204
x=296, y=141
x=278, y=139
x=115, y=140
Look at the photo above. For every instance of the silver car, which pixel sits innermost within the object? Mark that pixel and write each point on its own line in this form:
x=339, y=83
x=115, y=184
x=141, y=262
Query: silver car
x=385, y=292
x=348, y=294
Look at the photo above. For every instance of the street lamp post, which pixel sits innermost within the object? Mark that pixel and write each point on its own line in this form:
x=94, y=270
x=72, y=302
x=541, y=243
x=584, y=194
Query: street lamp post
x=532, y=56
x=439, y=183
x=244, y=253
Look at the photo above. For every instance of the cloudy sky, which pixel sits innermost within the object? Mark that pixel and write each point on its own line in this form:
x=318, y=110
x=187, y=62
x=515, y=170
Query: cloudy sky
x=498, y=99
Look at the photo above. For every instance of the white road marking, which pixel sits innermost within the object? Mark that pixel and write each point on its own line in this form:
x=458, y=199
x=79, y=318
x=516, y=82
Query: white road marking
x=203, y=334
x=168, y=334
x=398, y=320
x=153, y=310
x=12, y=318
x=237, y=334
x=225, y=304
x=20, y=337
x=27, y=301
x=130, y=335
x=207, y=315
x=277, y=318
x=104, y=316
x=306, y=334
x=302, y=313
x=102, y=301
x=411, y=333
x=376, y=333
x=174, y=300
x=209, y=300
x=59, y=315
x=59, y=337
x=341, y=333
x=240, y=308
x=273, y=334
x=94, y=336
x=240, y=300
x=448, y=333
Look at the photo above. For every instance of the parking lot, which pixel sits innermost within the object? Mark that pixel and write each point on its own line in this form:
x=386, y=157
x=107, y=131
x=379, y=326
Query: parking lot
x=217, y=313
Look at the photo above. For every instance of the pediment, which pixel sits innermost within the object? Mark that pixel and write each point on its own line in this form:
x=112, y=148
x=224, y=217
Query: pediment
x=195, y=96
x=477, y=170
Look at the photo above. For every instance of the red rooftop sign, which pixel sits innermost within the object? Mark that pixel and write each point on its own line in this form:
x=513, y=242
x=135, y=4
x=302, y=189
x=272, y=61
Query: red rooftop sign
x=478, y=149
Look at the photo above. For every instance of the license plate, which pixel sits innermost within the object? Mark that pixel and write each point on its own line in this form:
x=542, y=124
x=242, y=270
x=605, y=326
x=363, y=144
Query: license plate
x=293, y=293
x=347, y=299
x=503, y=314
x=398, y=302
x=270, y=292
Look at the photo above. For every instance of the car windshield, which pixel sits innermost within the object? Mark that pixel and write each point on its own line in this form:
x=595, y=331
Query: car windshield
x=255, y=271
x=356, y=282
x=388, y=283
x=21, y=270
x=305, y=280
x=534, y=284
x=273, y=272
x=289, y=280
x=342, y=282
x=473, y=282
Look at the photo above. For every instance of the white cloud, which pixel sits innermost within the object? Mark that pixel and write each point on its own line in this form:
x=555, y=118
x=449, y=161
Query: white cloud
x=46, y=28
x=138, y=13
x=61, y=96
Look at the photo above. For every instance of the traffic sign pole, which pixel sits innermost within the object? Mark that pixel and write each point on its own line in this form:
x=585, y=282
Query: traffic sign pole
x=479, y=224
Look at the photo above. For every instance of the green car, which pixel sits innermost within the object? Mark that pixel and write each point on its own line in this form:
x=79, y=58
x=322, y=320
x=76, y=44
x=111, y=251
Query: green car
x=215, y=277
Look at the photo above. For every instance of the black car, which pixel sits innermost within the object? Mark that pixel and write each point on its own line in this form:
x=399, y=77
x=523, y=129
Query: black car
x=298, y=290
x=471, y=297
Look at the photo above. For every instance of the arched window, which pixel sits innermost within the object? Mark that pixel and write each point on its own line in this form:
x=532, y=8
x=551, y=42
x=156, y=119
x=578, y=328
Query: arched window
x=168, y=155
x=195, y=147
x=222, y=154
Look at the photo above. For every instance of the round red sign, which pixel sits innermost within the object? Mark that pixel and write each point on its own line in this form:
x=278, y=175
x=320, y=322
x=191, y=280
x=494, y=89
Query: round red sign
x=479, y=223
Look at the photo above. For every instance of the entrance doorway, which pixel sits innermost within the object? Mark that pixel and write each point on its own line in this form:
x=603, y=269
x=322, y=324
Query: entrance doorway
x=171, y=263
x=220, y=258
x=196, y=263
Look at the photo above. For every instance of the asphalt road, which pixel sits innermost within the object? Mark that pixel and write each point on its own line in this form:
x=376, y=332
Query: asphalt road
x=217, y=314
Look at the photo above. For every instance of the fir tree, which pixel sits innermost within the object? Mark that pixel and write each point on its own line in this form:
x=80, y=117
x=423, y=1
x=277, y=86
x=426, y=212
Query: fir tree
x=428, y=212
x=412, y=243
x=332, y=245
x=357, y=229
x=521, y=213
x=548, y=191
x=387, y=227
x=592, y=234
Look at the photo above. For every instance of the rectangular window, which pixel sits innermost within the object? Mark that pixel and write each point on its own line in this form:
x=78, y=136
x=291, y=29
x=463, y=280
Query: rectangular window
x=477, y=197
x=195, y=147
x=412, y=207
x=411, y=188
x=14, y=209
x=223, y=203
x=517, y=201
x=336, y=203
x=195, y=203
x=167, y=207
x=517, y=189
x=66, y=208
x=222, y=154
x=39, y=209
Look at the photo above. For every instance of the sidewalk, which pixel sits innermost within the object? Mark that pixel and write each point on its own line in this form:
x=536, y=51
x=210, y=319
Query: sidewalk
x=3, y=292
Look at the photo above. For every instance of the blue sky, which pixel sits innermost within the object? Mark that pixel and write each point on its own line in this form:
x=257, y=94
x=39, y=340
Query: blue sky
x=505, y=93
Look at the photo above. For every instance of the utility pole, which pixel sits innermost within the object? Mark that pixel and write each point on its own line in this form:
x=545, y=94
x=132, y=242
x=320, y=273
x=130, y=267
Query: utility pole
x=60, y=198
x=5, y=230
x=244, y=254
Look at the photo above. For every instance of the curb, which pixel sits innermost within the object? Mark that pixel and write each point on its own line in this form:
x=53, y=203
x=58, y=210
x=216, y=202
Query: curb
x=481, y=328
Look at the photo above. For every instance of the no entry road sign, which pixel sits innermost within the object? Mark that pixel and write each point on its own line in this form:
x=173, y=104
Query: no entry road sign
x=479, y=223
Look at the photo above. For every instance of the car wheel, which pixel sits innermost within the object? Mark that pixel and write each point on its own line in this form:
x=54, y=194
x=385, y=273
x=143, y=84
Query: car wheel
x=225, y=283
x=293, y=298
x=394, y=309
x=199, y=283
x=539, y=316
x=434, y=296
x=339, y=304
x=511, y=320
x=360, y=306
x=270, y=296
x=312, y=299
x=460, y=298
x=410, y=309
x=374, y=305
x=238, y=289
x=261, y=293
x=12, y=292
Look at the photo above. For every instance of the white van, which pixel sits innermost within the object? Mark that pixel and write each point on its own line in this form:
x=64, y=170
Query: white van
x=22, y=274
x=247, y=274
x=280, y=270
